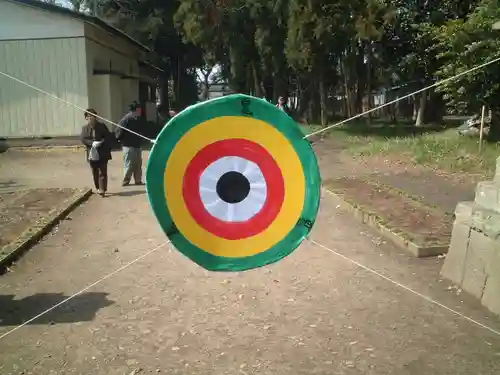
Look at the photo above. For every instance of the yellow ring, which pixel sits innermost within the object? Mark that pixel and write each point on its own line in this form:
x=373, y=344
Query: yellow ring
x=230, y=127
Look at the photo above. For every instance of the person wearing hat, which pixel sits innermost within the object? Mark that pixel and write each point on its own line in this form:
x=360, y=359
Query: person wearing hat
x=131, y=144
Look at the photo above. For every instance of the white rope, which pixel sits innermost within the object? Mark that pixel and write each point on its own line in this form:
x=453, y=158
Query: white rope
x=312, y=241
x=429, y=299
x=75, y=106
x=83, y=290
x=438, y=83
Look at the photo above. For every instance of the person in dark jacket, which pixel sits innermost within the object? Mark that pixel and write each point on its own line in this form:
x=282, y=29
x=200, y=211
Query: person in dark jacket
x=131, y=144
x=98, y=141
x=282, y=105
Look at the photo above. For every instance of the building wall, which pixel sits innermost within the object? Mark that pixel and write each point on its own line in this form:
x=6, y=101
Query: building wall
x=55, y=65
x=106, y=52
x=100, y=95
x=59, y=54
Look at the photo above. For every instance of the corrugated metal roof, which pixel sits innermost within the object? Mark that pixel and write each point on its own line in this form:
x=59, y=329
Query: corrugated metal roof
x=81, y=16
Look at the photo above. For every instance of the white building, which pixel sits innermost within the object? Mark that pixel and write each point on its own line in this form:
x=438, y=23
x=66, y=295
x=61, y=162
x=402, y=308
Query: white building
x=74, y=56
x=216, y=90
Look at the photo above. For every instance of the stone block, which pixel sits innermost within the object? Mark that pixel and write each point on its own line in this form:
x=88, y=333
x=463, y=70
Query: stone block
x=487, y=194
x=487, y=249
x=485, y=221
x=454, y=264
x=480, y=263
x=491, y=295
x=463, y=212
x=497, y=171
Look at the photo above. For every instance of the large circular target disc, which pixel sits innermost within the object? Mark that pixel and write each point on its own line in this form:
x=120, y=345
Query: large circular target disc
x=233, y=183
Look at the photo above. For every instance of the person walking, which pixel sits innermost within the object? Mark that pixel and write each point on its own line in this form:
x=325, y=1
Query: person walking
x=282, y=105
x=131, y=144
x=98, y=141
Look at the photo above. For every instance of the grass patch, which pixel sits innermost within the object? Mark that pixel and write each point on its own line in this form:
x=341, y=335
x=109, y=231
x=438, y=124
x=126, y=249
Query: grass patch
x=308, y=129
x=437, y=146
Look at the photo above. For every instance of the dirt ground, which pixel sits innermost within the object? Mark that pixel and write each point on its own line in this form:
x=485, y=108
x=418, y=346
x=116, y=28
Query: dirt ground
x=312, y=313
x=422, y=224
x=21, y=209
x=437, y=188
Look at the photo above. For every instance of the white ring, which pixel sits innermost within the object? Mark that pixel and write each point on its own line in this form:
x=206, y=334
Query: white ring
x=233, y=212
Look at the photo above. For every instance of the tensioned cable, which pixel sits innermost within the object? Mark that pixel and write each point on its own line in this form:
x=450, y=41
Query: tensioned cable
x=83, y=290
x=402, y=286
x=312, y=241
x=438, y=83
x=306, y=136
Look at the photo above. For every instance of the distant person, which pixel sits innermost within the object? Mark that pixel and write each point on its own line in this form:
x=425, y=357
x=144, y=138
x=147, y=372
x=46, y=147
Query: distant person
x=283, y=105
x=131, y=144
x=98, y=141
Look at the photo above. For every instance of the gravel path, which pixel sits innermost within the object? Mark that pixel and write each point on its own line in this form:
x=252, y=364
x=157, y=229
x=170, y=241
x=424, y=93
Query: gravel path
x=312, y=313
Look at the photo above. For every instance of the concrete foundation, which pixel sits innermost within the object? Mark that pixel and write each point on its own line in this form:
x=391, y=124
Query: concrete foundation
x=473, y=260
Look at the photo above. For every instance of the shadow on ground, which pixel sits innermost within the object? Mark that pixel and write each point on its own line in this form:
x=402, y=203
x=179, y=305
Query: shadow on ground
x=10, y=185
x=130, y=193
x=82, y=308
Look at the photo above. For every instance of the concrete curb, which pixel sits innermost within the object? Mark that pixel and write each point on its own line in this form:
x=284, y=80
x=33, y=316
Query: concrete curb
x=420, y=251
x=35, y=233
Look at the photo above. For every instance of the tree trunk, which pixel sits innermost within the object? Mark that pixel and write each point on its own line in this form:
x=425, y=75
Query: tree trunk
x=256, y=80
x=163, y=95
x=298, y=96
x=206, y=88
x=322, y=96
x=494, y=133
x=435, y=110
x=360, y=76
x=415, y=106
x=305, y=97
x=420, y=120
x=369, y=81
x=347, y=93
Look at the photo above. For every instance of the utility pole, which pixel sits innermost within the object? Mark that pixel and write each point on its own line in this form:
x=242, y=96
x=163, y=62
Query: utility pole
x=94, y=8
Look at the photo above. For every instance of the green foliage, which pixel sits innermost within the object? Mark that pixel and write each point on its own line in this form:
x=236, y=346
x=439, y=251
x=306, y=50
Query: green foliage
x=321, y=50
x=443, y=149
x=464, y=45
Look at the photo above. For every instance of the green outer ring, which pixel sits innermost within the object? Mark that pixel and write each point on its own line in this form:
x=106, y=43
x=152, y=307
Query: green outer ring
x=231, y=106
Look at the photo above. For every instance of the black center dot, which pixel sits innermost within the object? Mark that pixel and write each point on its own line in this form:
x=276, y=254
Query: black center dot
x=233, y=187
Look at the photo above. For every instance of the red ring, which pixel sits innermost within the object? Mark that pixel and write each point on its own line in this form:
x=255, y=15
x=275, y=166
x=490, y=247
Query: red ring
x=248, y=150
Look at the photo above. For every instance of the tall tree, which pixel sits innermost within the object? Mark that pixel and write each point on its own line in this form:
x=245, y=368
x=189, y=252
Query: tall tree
x=463, y=45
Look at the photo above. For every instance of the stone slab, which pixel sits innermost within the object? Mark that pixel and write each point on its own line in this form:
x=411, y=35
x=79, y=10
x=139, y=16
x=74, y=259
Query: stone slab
x=482, y=263
x=454, y=264
x=487, y=195
x=486, y=221
x=487, y=249
x=497, y=171
x=491, y=295
x=463, y=212
x=479, y=218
